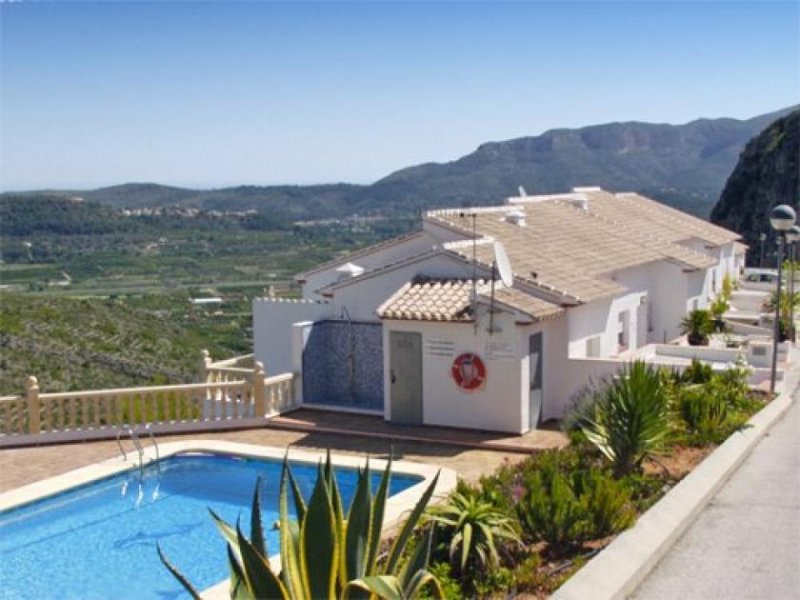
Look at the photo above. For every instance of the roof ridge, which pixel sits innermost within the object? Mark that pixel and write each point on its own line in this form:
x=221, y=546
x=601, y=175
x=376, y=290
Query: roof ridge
x=384, y=267
x=360, y=252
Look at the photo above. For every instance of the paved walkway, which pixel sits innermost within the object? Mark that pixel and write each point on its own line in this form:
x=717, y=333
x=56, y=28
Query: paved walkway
x=746, y=543
x=470, y=454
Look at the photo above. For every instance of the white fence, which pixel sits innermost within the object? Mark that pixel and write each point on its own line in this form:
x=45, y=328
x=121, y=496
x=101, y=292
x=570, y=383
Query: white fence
x=230, y=396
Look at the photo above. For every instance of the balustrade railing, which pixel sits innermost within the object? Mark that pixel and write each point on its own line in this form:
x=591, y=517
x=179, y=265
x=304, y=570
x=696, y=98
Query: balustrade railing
x=227, y=393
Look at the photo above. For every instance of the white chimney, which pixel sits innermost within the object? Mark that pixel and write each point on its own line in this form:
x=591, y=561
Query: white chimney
x=516, y=217
x=348, y=270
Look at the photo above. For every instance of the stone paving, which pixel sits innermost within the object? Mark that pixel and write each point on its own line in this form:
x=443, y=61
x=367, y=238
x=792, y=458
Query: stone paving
x=470, y=453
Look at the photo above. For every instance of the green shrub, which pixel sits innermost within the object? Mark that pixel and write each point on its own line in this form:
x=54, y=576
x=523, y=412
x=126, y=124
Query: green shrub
x=566, y=509
x=607, y=503
x=527, y=577
x=704, y=412
x=549, y=510
x=697, y=372
x=631, y=417
x=499, y=580
x=451, y=586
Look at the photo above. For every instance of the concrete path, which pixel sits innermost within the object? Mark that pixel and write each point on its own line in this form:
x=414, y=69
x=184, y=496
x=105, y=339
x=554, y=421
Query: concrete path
x=746, y=543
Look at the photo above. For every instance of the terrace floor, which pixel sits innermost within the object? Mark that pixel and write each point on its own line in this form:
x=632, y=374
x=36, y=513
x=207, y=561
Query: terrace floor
x=470, y=453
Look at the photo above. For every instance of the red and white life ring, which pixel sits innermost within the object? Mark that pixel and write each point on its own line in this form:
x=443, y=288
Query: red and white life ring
x=468, y=371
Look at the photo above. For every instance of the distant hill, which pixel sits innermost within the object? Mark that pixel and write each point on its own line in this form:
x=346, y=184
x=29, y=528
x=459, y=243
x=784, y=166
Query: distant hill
x=293, y=201
x=768, y=173
x=682, y=165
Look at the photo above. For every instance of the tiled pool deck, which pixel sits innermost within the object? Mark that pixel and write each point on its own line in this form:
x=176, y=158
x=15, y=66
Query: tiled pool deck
x=470, y=453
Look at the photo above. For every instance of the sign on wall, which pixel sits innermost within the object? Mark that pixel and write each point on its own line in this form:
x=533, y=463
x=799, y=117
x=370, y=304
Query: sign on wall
x=468, y=371
x=438, y=347
x=495, y=350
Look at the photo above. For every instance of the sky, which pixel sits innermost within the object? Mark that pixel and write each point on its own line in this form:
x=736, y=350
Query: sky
x=211, y=94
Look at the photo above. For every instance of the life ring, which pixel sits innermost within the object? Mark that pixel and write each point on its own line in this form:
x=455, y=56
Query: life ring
x=468, y=371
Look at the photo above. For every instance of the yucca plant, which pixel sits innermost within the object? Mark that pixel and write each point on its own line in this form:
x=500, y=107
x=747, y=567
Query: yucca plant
x=789, y=303
x=476, y=530
x=325, y=552
x=697, y=326
x=630, y=419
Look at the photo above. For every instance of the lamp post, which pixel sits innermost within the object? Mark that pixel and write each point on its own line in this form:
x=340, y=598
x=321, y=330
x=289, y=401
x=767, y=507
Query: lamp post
x=782, y=219
x=761, y=238
x=792, y=236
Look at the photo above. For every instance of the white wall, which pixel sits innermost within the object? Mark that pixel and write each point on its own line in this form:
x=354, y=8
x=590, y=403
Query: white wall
x=502, y=403
x=272, y=329
x=601, y=318
x=554, y=367
x=362, y=298
x=386, y=255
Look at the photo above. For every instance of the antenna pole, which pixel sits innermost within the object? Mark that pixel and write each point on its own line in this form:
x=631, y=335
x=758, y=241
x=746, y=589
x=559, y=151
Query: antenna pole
x=491, y=301
x=474, y=298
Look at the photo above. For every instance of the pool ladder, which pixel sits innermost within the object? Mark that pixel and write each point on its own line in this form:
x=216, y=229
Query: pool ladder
x=138, y=444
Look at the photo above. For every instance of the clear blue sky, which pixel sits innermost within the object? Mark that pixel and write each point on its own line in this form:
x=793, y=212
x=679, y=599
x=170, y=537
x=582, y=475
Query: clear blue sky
x=220, y=93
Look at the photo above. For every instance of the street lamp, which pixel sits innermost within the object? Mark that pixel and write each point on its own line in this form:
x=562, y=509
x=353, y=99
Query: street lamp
x=792, y=237
x=761, y=238
x=782, y=219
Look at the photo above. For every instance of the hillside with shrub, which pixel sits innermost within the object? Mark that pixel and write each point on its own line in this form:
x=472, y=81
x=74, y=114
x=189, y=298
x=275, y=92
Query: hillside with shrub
x=74, y=344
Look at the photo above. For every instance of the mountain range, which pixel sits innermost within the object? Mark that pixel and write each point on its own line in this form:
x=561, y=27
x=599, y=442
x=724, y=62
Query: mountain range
x=685, y=166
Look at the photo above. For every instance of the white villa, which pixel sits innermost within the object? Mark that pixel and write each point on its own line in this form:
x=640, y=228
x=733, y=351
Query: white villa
x=411, y=328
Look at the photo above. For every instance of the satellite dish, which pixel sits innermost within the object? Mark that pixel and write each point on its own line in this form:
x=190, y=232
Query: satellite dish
x=503, y=265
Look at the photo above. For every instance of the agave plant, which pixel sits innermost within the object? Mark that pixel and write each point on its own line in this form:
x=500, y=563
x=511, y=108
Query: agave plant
x=324, y=552
x=631, y=417
x=697, y=326
x=476, y=529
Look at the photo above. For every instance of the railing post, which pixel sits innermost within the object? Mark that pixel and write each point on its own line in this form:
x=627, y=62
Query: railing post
x=259, y=392
x=32, y=386
x=205, y=363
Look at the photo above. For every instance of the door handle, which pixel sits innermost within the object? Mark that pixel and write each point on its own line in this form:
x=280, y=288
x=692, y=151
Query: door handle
x=392, y=378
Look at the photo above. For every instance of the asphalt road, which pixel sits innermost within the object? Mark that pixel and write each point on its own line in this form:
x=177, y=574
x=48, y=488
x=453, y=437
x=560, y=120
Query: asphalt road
x=746, y=543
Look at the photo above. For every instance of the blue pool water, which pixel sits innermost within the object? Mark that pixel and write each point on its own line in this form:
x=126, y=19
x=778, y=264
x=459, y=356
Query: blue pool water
x=99, y=540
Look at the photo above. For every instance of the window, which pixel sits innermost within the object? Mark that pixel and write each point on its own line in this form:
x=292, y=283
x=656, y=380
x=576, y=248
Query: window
x=593, y=347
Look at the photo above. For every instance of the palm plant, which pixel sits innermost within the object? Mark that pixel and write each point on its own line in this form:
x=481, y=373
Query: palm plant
x=697, y=326
x=325, y=552
x=476, y=529
x=718, y=309
x=630, y=418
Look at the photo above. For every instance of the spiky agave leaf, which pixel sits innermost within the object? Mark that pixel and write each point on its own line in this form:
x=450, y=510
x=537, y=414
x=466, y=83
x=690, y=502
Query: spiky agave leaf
x=357, y=529
x=177, y=574
x=291, y=573
x=408, y=527
x=260, y=580
x=319, y=542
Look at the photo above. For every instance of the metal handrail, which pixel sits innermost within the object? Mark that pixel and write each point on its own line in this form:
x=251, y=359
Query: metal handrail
x=136, y=442
x=155, y=444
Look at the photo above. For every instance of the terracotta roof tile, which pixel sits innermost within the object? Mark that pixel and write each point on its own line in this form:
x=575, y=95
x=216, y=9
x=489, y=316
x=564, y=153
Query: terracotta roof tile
x=449, y=300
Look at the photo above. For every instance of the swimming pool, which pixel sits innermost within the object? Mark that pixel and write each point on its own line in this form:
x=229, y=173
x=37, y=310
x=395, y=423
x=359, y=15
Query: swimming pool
x=98, y=540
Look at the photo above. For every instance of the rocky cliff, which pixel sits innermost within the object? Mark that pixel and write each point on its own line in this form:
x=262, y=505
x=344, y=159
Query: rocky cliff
x=768, y=173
